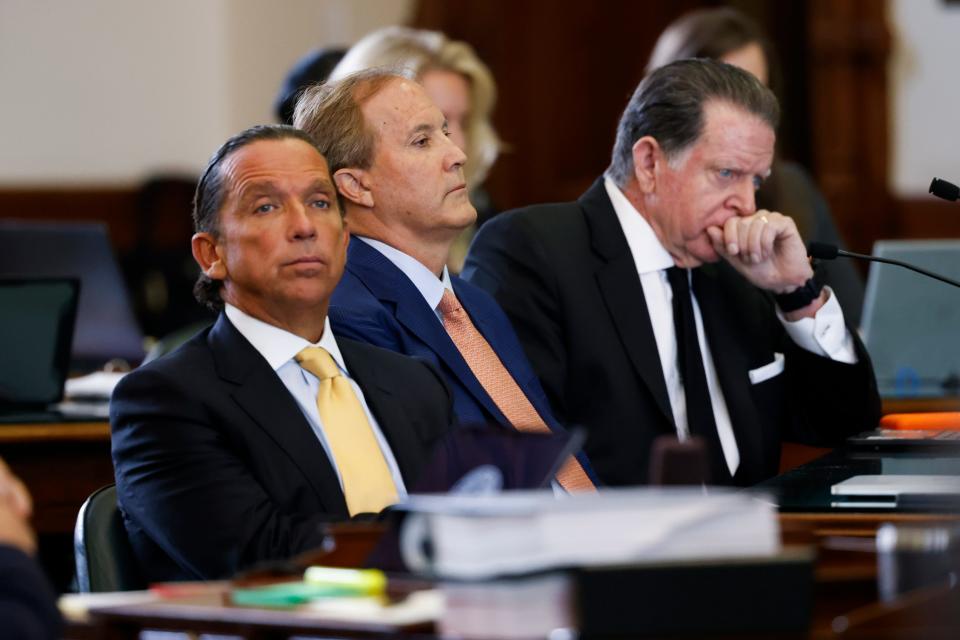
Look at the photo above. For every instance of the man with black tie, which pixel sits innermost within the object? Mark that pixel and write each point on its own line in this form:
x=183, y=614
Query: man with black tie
x=662, y=302
x=235, y=448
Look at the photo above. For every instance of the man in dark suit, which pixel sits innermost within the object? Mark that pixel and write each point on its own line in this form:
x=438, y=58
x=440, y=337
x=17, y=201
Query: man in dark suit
x=235, y=448
x=401, y=179
x=662, y=302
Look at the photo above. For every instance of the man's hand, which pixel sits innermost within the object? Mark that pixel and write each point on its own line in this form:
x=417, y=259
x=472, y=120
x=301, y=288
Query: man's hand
x=765, y=248
x=15, y=510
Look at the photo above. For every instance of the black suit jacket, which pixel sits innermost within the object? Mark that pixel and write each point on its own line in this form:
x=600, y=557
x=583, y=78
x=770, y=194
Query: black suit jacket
x=566, y=278
x=28, y=605
x=217, y=468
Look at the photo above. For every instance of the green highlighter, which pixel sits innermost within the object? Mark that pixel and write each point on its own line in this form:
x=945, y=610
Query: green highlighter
x=318, y=582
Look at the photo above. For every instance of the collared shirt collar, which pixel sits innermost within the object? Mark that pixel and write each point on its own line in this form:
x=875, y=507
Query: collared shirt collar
x=426, y=282
x=648, y=254
x=278, y=346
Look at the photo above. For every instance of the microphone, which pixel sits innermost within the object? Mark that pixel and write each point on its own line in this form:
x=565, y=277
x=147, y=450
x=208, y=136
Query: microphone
x=945, y=190
x=824, y=251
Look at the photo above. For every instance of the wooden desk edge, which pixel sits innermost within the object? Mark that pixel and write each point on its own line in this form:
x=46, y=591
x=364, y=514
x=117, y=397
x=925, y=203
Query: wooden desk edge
x=60, y=432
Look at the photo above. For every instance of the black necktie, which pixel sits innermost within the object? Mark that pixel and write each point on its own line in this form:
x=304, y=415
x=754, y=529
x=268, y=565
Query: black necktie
x=699, y=410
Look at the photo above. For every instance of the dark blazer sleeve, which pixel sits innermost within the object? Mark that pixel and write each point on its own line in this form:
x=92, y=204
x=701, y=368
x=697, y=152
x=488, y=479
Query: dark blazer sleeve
x=507, y=260
x=189, y=490
x=28, y=608
x=831, y=400
x=819, y=401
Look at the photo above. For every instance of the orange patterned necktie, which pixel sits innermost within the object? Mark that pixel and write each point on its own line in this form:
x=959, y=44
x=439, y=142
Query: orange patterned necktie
x=368, y=486
x=500, y=385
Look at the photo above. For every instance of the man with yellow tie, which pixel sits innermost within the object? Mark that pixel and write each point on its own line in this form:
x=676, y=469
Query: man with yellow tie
x=235, y=448
x=405, y=197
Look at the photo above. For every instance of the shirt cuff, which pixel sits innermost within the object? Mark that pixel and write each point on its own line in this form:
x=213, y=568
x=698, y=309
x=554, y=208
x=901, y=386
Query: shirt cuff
x=825, y=334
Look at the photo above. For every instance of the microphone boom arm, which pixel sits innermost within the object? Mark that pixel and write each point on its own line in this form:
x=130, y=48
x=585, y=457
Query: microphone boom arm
x=929, y=274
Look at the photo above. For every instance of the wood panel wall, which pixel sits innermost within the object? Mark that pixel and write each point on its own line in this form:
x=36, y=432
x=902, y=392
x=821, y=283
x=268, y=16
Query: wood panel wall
x=849, y=45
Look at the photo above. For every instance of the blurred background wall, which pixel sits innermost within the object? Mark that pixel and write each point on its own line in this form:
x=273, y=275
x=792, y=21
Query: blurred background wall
x=108, y=92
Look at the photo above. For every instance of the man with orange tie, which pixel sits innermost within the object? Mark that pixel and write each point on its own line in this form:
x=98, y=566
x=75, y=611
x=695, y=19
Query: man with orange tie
x=235, y=448
x=401, y=180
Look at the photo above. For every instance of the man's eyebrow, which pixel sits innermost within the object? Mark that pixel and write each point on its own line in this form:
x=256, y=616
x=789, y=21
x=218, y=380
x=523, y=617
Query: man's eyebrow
x=257, y=188
x=427, y=127
x=322, y=184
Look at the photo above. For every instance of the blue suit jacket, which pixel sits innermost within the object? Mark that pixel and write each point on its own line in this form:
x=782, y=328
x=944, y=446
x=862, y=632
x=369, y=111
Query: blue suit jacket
x=377, y=303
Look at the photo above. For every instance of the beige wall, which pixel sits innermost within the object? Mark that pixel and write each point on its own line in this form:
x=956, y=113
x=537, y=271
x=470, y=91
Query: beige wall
x=924, y=94
x=106, y=92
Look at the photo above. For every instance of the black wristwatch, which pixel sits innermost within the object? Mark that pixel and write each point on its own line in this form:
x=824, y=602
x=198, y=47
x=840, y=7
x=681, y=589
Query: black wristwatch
x=799, y=297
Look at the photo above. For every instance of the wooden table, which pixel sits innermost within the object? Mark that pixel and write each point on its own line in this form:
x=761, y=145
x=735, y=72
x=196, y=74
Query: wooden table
x=845, y=592
x=845, y=598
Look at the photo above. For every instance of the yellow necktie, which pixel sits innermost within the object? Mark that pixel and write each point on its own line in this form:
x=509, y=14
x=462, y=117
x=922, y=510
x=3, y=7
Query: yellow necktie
x=367, y=483
x=501, y=387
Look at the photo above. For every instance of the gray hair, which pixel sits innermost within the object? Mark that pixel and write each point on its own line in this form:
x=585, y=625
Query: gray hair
x=668, y=106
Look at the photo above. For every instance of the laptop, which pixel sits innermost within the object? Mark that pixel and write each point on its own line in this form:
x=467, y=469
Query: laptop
x=911, y=323
x=898, y=492
x=105, y=325
x=36, y=330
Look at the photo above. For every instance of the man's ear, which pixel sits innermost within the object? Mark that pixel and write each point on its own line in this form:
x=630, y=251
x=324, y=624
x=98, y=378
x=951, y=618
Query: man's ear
x=352, y=185
x=647, y=153
x=206, y=252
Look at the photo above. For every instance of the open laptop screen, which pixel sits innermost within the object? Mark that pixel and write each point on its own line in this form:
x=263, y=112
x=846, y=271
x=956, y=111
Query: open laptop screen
x=36, y=328
x=911, y=324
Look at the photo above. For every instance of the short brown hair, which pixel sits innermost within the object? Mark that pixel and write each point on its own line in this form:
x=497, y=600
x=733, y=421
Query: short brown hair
x=420, y=51
x=331, y=114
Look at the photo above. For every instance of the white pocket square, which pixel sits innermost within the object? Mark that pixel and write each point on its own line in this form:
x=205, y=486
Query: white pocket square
x=767, y=371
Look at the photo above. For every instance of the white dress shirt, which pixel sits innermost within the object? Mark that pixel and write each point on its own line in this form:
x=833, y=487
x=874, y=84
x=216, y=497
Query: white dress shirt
x=427, y=283
x=825, y=334
x=278, y=347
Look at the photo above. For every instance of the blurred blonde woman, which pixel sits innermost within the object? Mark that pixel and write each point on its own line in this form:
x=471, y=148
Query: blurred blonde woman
x=461, y=86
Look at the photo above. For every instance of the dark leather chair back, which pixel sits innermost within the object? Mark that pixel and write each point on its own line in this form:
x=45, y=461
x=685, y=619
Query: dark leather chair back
x=104, y=558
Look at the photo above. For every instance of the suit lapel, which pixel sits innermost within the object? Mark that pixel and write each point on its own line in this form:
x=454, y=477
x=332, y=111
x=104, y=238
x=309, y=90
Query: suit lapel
x=389, y=412
x=730, y=361
x=262, y=395
x=395, y=290
x=622, y=292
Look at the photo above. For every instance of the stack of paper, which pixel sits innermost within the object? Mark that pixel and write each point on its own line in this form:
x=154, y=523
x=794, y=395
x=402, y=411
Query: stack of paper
x=485, y=536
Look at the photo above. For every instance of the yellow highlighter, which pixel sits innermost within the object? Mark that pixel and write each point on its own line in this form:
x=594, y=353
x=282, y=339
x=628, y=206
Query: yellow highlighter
x=319, y=583
x=359, y=582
